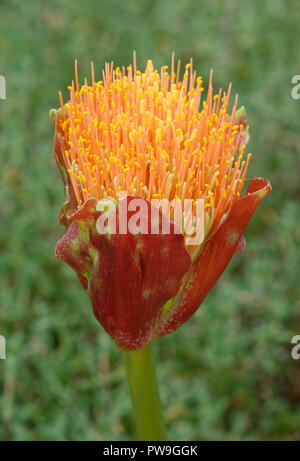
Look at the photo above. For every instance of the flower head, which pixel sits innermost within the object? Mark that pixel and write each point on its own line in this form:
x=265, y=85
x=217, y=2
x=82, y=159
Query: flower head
x=151, y=135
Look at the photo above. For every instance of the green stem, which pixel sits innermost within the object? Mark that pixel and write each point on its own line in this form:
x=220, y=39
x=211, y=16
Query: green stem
x=141, y=375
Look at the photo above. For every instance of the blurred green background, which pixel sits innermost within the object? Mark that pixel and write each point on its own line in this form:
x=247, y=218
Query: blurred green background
x=228, y=373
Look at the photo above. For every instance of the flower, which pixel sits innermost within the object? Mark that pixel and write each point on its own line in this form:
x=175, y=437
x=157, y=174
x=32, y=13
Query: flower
x=150, y=135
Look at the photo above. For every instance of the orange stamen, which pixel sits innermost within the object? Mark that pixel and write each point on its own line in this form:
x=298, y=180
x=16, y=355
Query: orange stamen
x=149, y=135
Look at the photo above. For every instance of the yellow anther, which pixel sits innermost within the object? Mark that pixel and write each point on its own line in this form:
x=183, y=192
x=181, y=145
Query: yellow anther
x=136, y=132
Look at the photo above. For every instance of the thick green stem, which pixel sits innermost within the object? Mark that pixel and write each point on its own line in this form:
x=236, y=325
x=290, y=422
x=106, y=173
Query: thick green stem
x=141, y=375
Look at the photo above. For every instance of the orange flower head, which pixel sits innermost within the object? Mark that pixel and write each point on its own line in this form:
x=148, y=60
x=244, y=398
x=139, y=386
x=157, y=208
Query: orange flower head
x=152, y=134
x=149, y=134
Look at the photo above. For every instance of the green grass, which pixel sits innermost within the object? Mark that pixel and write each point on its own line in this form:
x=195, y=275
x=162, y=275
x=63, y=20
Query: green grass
x=228, y=373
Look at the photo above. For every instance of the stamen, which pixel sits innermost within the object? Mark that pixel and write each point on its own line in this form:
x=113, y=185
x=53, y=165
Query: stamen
x=146, y=133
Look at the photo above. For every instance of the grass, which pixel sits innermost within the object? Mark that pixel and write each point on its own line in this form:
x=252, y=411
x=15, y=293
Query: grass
x=228, y=373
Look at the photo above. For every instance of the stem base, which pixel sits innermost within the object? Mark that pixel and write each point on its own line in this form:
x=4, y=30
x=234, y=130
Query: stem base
x=141, y=375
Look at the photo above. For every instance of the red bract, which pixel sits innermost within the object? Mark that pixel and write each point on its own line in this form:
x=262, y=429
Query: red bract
x=128, y=277
x=215, y=256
